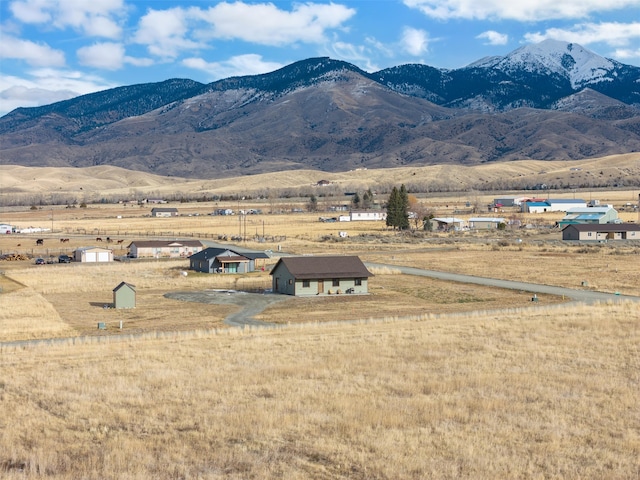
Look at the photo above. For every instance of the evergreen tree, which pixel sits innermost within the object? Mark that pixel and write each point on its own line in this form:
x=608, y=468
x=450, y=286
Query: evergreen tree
x=356, y=200
x=403, y=211
x=392, y=208
x=367, y=199
x=398, y=209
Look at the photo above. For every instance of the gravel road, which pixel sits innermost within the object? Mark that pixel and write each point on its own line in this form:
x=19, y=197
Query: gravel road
x=584, y=296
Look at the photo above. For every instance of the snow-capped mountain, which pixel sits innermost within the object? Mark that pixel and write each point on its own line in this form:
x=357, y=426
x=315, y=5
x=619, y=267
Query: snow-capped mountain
x=550, y=101
x=569, y=60
x=534, y=76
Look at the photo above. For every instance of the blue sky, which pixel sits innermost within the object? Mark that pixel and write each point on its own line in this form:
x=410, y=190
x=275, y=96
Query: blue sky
x=51, y=50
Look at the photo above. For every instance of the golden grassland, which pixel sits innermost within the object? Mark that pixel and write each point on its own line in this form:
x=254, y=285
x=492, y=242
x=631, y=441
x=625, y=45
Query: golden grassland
x=65, y=300
x=543, y=393
x=428, y=379
x=604, y=268
x=93, y=182
x=77, y=293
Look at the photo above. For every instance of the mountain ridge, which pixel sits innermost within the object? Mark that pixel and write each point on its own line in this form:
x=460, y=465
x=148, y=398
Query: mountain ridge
x=549, y=101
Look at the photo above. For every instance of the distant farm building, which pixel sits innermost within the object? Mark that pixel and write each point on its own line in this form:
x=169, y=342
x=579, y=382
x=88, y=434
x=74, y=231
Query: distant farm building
x=5, y=228
x=598, y=215
x=510, y=201
x=164, y=212
x=93, y=255
x=446, y=224
x=485, y=223
x=222, y=260
x=600, y=233
x=164, y=248
x=553, y=205
x=320, y=275
x=367, y=215
x=124, y=296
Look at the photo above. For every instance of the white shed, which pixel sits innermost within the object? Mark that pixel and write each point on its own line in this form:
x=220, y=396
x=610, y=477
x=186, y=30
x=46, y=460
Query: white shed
x=93, y=255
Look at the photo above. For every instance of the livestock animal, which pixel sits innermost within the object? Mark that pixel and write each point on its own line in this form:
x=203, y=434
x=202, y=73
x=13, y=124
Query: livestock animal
x=40, y=241
x=64, y=240
x=120, y=242
x=98, y=239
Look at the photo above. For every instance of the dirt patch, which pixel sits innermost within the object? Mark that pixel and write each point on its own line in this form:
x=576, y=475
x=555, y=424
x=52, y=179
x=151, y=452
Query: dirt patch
x=153, y=312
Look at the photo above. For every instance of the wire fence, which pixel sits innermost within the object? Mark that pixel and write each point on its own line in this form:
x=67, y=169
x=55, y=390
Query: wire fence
x=112, y=239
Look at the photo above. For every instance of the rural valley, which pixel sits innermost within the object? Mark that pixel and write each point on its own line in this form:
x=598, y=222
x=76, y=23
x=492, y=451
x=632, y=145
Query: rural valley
x=422, y=377
x=317, y=272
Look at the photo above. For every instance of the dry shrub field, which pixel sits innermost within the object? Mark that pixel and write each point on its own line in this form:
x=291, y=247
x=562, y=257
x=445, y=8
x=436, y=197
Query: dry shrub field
x=544, y=393
x=420, y=379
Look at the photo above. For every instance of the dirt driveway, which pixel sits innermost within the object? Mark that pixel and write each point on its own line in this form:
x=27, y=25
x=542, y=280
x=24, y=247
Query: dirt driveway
x=250, y=303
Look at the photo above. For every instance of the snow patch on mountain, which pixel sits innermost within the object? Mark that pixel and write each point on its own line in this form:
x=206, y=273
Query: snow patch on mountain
x=569, y=60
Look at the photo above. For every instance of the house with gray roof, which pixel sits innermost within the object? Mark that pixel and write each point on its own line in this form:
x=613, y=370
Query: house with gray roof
x=601, y=232
x=320, y=275
x=164, y=248
x=225, y=260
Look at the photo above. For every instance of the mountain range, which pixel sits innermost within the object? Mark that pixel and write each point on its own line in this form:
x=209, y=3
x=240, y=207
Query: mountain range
x=546, y=101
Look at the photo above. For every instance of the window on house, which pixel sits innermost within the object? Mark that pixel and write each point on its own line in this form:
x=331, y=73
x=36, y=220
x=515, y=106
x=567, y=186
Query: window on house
x=290, y=281
x=306, y=283
x=357, y=282
x=589, y=234
x=335, y=282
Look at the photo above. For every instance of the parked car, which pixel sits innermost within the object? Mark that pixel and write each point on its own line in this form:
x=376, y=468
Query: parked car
x=64, y=259
x=40, y=261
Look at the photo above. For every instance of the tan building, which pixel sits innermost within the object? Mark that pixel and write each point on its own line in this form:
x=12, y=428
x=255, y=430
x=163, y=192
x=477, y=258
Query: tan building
x=93, y=255
x=164, y=212
x=601, y=232
x=164, y=248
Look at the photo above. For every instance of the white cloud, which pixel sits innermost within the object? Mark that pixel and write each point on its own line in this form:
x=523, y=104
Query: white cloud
x=99, y=18
x=521, y=10
x=31, y=11
x=165, y=33
x=625, y=54
x=46, y=86
x=414, y=41
x=35, y=54
x=138, y=61
x=107, y=55
x=611, y=33
x=266, y=24
x=249, y=64
x=494, y=38
x=169, y=33
x=356, y=54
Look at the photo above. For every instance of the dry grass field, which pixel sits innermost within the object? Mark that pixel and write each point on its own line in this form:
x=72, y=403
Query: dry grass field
x=92, y=184
x=427, y=379
x=526, y=394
